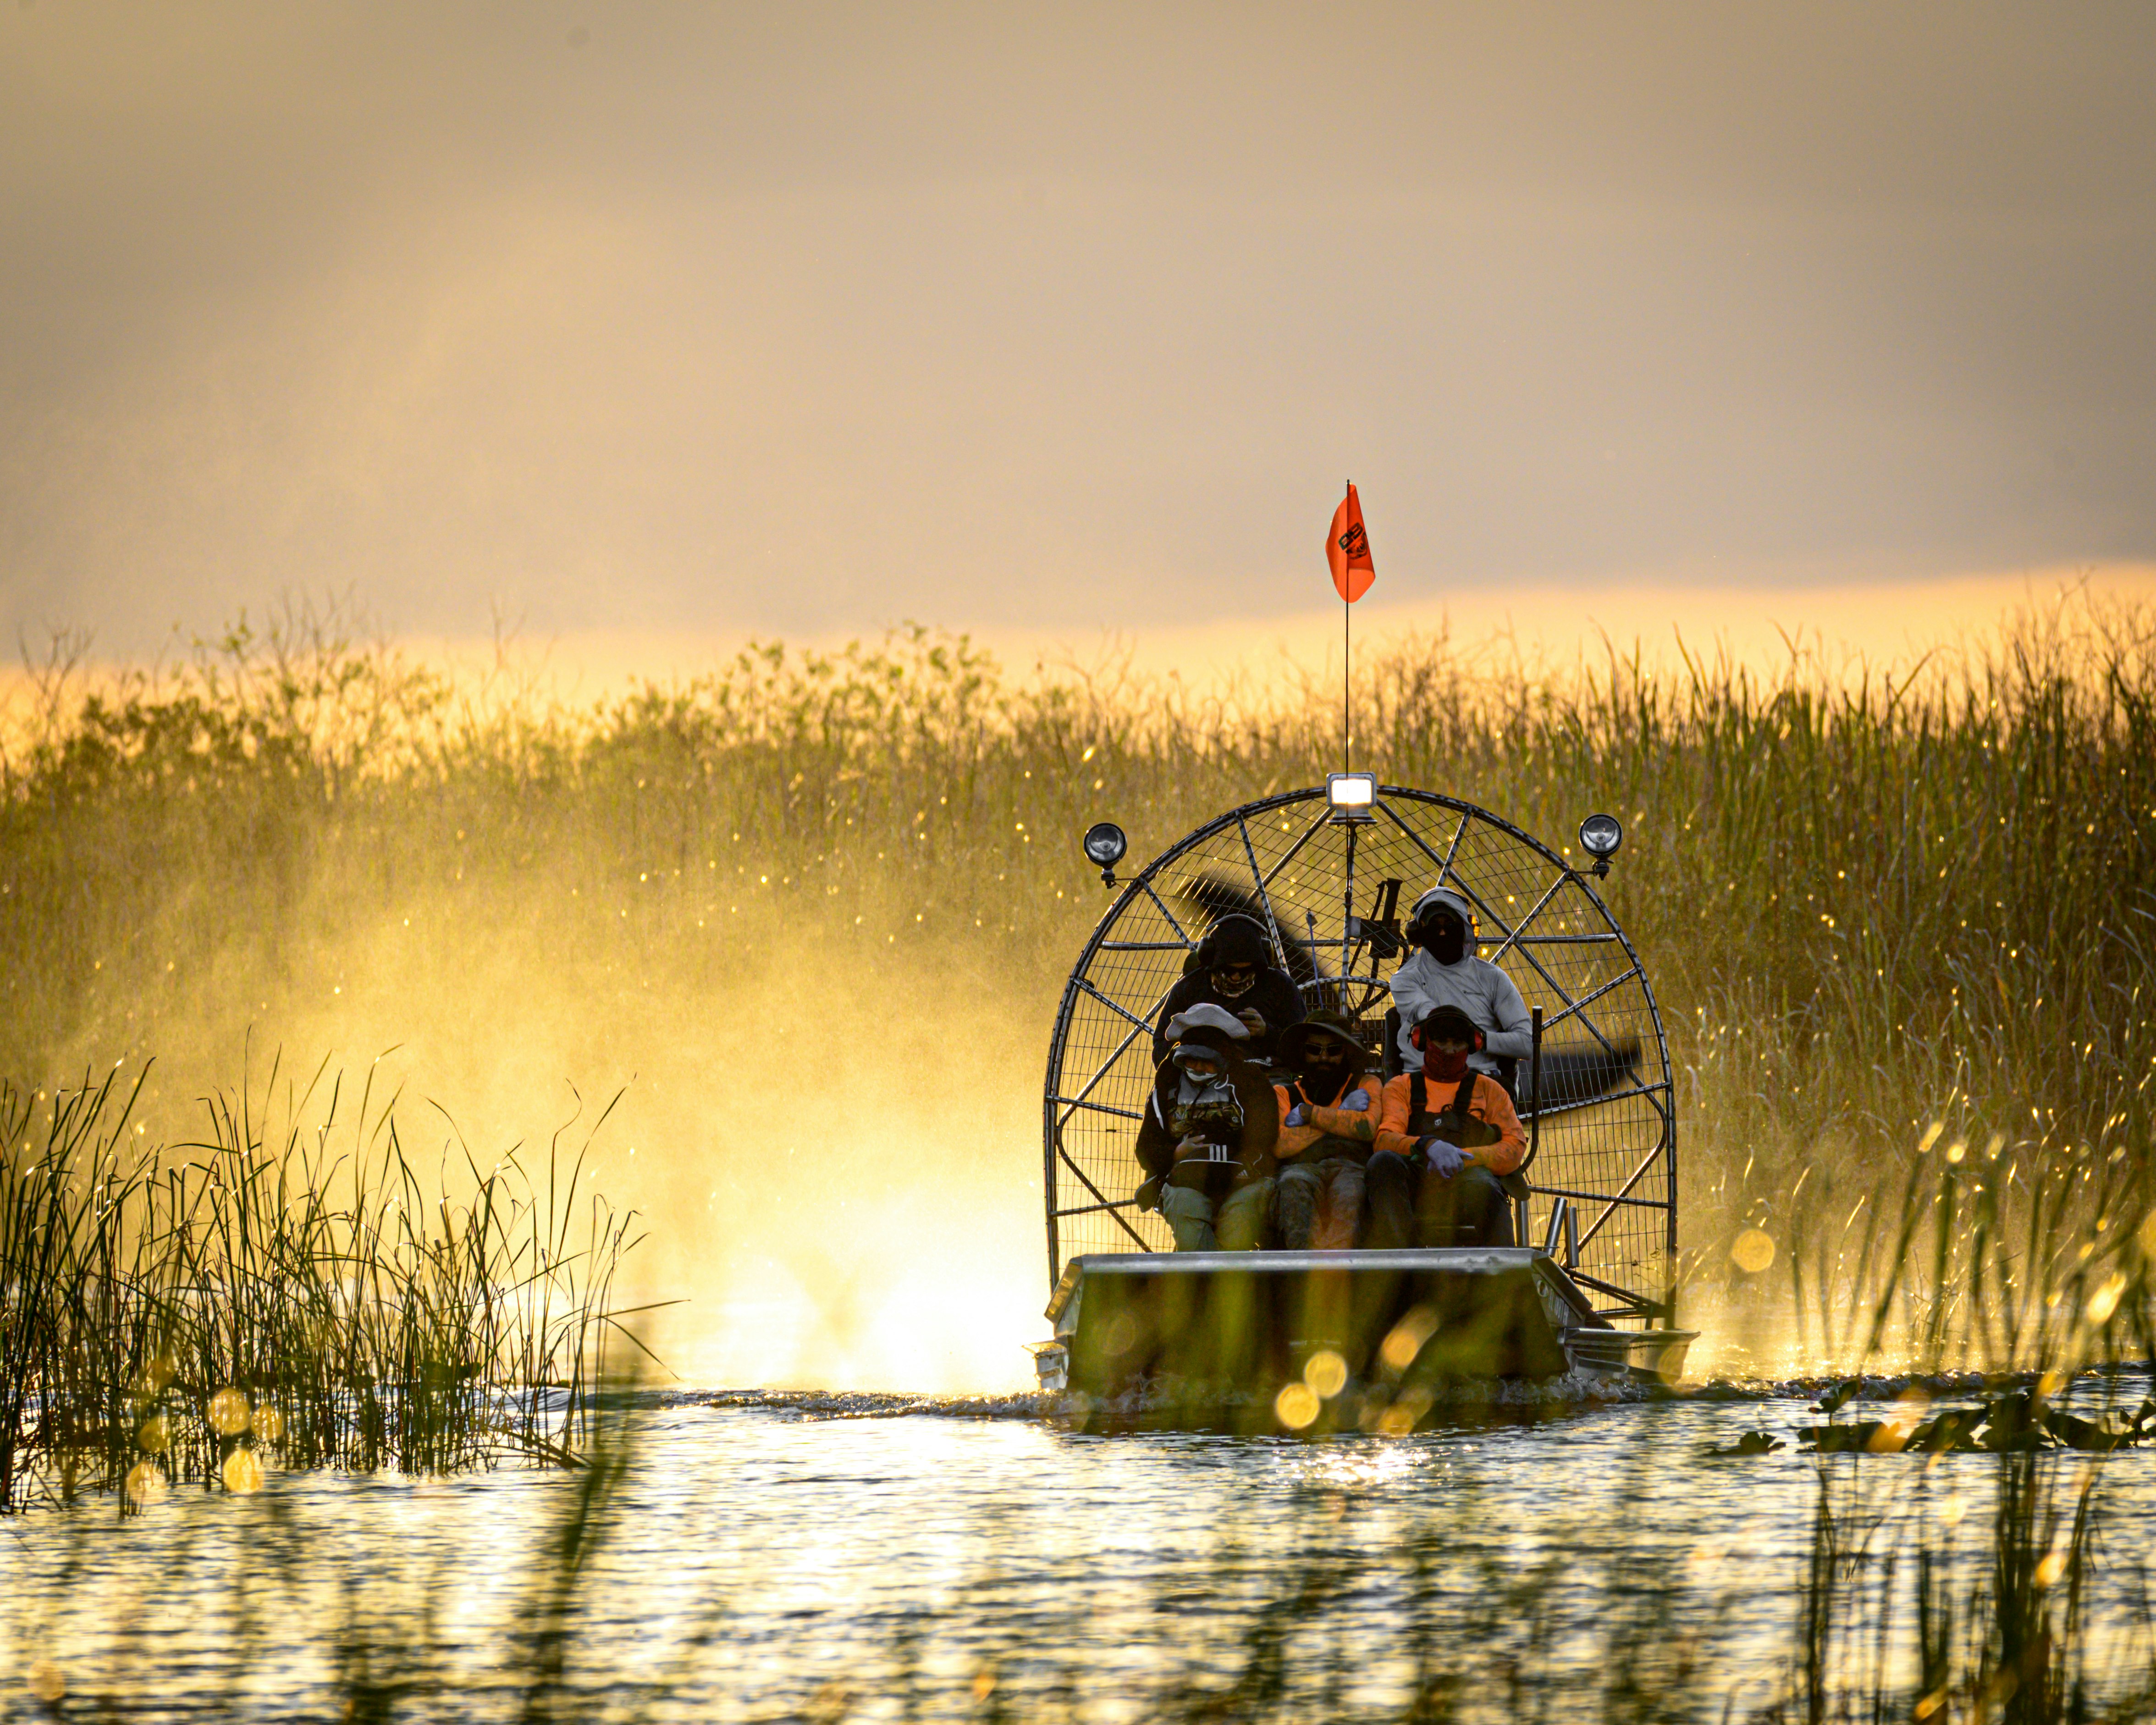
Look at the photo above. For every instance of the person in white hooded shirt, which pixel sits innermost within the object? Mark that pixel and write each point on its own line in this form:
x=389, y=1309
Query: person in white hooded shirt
x=1444, y=970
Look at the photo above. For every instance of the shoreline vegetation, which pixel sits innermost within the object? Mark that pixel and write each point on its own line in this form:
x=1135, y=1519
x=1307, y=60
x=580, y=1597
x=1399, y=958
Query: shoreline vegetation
x=1901, y=925
x=1902, y=929
x=290, y=1292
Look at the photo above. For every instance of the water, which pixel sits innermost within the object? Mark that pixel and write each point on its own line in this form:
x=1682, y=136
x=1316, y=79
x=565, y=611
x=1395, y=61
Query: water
x=759, y=1564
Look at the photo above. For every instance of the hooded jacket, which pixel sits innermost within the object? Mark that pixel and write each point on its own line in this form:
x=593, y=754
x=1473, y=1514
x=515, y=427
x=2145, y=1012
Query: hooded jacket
x=1478, y=987
x=1156, y=1144
x=1278, y=1000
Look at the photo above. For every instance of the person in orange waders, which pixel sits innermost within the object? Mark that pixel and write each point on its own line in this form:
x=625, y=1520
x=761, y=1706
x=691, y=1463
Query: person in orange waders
x=1328, y=1125
x=1446, y=1138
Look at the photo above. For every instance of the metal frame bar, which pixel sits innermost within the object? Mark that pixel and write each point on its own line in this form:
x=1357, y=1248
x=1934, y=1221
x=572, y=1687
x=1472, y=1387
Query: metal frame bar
x=1609, y=1209
x=1512, y=939
x=1160, y=904
x=1120, y=1010
x=1265, y=893
x=1451, y=850
x=1072, y=1104
x=1638, y=1304
x=1644, y=1203
x=1077, y=1102
x=1095, y=1209
x=1289, y=855
x=1615, y=1096
x=1106, y=1203
x=1616, y=982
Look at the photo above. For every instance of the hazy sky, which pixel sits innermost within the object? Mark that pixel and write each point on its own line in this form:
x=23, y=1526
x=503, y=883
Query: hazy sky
x=711, y=318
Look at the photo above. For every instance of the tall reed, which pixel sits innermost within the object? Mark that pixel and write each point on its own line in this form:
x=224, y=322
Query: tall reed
x=1870, y=901
x=291, y=1289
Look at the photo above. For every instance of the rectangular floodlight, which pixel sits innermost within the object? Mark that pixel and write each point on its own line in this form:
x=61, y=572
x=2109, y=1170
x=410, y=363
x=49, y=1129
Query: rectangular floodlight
x=1350, y=794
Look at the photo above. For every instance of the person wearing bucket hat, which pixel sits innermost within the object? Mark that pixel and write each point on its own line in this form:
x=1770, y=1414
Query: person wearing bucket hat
x=1328, y=1121
x=1444, y=970
x=1446, y=1138
x=1206, y=1142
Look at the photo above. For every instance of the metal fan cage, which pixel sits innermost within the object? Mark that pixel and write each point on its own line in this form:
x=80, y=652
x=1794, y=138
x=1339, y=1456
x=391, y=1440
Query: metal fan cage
x=1316, y=881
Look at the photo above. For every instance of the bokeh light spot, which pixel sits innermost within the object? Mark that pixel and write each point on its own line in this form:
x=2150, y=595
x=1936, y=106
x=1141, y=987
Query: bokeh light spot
x=228, y=1412
x=1296, y=1406
x=243, y=1472
x=1404, y=1341
x=1753, y=1251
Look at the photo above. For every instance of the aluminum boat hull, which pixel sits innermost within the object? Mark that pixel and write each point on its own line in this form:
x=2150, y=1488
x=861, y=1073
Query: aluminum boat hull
x=1215, y=1329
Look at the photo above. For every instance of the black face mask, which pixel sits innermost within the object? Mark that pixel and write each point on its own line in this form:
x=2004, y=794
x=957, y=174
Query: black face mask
x=1229, y=990
x=1322, y=1075
x=1447, y=942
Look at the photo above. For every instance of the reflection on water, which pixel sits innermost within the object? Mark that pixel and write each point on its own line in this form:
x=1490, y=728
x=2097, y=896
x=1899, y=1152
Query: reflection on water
x=759, y=1564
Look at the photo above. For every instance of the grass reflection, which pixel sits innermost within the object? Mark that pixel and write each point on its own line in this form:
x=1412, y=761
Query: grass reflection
x=1384, y=1582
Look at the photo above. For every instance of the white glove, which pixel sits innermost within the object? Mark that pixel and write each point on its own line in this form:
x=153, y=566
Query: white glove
x=1296, y=1116
x=1356, y=1101
x=1444, y=1159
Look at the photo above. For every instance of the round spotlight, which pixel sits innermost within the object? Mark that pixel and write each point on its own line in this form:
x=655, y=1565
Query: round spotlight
x=1104, y=844
x=1600, y=836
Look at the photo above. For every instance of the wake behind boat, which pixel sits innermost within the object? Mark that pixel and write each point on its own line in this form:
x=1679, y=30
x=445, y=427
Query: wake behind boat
x=1364, y=1311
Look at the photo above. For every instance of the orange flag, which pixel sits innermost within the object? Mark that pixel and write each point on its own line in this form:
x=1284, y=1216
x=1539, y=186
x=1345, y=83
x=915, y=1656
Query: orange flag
x=1348, y=549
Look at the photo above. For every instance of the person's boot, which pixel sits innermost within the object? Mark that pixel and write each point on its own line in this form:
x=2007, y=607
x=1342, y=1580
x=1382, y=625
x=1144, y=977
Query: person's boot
x=1296, y=1206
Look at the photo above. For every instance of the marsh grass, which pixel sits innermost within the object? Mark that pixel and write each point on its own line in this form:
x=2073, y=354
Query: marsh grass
x=1903, y=927
x=2035, y=1259
x=1901, y=922
x=290, y=1290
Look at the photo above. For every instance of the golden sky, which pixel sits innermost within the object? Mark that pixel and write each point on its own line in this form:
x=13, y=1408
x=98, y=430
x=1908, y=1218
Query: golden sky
x=671, y=322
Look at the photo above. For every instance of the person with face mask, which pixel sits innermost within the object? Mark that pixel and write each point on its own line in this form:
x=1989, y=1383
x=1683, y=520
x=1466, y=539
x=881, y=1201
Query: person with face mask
x=1207, y=1140
x=1447, y=1136
x=1444, y=970
x=1233, y=969
x=1328, y=1123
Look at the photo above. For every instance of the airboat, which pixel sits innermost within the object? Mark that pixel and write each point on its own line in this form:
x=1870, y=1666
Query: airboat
x=1321, y=1340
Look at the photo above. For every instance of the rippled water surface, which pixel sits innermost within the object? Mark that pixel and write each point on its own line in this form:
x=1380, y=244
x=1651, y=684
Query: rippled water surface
x=761, y=1564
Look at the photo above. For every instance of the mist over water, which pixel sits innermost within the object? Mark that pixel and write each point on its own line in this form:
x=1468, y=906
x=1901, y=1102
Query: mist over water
x=834, y=1152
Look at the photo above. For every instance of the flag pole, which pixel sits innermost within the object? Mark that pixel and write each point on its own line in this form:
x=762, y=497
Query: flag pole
x=1346, y=648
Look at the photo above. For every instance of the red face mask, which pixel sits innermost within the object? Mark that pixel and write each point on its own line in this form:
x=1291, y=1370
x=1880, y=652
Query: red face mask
x=1450, y=1067
x=1439, y=1066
